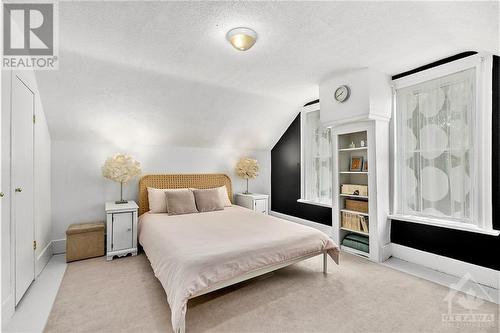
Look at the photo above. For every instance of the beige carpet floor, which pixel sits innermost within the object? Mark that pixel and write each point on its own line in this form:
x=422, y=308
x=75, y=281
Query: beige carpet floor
x=358, y=296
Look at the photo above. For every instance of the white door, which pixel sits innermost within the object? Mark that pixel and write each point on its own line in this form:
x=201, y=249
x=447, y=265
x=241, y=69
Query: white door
x=261, y=205
x=22, y=185
x=122, y=231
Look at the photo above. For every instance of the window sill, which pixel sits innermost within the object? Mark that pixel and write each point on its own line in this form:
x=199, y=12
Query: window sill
x=316, y=203
x=444, y=224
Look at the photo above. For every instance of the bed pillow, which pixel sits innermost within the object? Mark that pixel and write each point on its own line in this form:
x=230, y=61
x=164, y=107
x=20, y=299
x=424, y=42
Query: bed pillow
x=224, y=196
x=208, y=200
x=157, y=200
x=180, y=201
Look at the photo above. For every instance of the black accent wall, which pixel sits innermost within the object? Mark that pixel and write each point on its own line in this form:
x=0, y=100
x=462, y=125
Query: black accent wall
x=285, y=179
x=474, y=248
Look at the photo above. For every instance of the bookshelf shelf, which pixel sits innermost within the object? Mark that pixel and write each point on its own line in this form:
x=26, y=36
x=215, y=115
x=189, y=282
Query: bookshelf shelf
x=355, y=231
x=352, y=221
x=354, y=212
x=352, y=149
x=354, y=196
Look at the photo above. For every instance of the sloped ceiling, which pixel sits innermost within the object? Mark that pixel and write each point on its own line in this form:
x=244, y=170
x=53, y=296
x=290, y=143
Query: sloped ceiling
x=162, y=73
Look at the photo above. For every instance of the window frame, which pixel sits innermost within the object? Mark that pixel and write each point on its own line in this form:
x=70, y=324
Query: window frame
x=304, y=111
x=482, y=144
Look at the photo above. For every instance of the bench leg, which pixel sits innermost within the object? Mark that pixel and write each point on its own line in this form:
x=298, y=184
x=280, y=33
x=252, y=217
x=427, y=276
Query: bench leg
x=182, y=327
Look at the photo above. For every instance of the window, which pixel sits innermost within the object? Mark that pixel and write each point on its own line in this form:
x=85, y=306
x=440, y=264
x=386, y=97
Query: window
x=435, y=135
x=316, y=160
x=443, y=146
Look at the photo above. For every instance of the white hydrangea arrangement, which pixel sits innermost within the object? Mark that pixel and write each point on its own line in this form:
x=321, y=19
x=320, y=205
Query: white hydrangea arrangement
x=121, y=168
x=247, y=168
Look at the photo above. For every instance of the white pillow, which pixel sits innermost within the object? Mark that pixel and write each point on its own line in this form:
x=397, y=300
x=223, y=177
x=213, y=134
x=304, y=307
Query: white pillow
x=157, y=200
x=224, y=196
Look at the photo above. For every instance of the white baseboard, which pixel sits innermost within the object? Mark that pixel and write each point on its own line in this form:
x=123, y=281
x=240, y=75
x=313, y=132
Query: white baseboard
x=7, y=309
x=43, y=258
x=483, y=275
x=321, y=227
x=59, y=246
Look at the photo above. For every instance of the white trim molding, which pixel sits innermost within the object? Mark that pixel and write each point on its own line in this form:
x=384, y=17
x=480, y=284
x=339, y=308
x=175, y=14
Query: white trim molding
x=8, y=309
x=444, y=224
x=483, y=275
x=59, y=246
x=315, y=203
x=321, y=227
x=43, y=258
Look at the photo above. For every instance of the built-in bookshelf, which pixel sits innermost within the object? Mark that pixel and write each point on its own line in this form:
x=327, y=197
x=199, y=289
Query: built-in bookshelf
x=352, y=188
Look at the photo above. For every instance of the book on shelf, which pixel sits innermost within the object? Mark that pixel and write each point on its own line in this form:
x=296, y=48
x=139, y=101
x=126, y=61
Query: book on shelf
x=364, y=224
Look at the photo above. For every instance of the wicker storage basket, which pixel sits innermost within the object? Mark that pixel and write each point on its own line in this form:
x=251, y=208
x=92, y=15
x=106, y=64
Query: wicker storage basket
x=356, y=205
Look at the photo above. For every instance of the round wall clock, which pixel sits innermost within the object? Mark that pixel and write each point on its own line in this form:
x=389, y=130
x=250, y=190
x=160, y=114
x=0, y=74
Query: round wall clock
x=342, y=93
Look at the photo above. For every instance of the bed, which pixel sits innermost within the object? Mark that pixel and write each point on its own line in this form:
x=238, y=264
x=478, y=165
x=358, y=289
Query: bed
x=194, y=254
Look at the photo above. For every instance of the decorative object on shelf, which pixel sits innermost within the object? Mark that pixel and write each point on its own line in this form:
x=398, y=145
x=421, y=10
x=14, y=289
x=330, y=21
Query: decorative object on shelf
x=357, y=242
x=121, y=168
x=365, y=166
x=362, y=143
x=352, y=145
x=356, y=163
x=354, y=189
x=342, y=93
x=247, y=168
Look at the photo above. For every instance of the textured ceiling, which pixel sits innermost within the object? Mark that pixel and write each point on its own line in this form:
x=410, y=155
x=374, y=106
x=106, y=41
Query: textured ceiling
x=163, y=73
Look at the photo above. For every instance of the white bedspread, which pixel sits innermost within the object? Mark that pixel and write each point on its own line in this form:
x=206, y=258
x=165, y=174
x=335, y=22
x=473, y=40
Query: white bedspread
x=191, y=252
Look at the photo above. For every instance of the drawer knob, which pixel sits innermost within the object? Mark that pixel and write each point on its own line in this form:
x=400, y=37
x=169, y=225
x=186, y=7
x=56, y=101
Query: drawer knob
x=18, y=189
x=129, y=229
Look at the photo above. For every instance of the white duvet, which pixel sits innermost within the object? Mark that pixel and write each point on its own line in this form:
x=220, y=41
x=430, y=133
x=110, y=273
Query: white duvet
x=189, y=253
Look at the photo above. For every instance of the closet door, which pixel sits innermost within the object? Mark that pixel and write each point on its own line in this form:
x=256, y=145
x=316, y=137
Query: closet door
x=22, y=185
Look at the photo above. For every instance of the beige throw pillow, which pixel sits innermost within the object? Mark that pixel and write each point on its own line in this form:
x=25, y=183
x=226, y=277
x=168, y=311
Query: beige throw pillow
x=180, y=201
x=224, y=196
x=157, y=200
x=208, y=200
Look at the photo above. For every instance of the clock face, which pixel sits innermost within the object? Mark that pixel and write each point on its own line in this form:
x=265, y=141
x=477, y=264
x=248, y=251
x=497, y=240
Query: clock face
x=342, y=94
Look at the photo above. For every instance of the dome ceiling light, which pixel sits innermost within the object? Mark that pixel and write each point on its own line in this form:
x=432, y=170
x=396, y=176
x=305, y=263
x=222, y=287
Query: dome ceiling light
x=241, y=38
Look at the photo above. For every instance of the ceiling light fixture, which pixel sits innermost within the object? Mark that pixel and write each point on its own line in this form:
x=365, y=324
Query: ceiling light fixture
x=241, y=38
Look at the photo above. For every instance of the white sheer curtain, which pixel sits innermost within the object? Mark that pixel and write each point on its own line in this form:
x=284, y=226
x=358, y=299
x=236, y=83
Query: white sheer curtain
x=435, y=147
x=318, y=160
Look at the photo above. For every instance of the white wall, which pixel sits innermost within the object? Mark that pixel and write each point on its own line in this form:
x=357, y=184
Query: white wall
x=370, y=96
x=42, y=189
x=79, y=190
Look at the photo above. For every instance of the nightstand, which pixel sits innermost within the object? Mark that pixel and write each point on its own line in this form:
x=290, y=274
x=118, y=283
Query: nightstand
x=253, y=201
x=121, y=229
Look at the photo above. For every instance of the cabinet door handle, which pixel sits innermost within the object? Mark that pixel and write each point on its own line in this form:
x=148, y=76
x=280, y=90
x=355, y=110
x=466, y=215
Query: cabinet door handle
x=129, y=229
x=2, y=194
x=18, y=189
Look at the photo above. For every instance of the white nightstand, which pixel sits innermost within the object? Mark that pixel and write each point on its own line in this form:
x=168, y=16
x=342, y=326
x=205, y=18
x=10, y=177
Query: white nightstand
x=253, y=201
x=121, y=229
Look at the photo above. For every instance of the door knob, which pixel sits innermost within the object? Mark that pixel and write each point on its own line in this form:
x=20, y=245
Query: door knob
x=18, y=189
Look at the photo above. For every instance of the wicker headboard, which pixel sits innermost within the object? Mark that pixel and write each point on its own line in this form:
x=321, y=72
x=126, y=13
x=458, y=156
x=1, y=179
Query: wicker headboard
x=197, y=180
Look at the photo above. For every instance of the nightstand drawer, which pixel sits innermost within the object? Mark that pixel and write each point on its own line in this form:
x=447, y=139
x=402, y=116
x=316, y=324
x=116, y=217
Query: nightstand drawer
x=122, y=224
